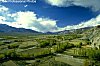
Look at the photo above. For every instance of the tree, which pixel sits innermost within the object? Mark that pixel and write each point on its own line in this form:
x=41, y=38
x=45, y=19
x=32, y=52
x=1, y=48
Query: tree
x=2, y=56
x=94, y=54
x=13, y=46
x=44, y=44
x=79, y=45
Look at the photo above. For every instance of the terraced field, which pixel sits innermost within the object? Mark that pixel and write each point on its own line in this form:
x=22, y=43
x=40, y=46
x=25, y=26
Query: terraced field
x=45, y=50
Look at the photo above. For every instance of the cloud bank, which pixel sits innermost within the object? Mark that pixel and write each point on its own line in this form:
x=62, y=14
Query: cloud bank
x=29, y=20
x=93, y=4
x=26, y=20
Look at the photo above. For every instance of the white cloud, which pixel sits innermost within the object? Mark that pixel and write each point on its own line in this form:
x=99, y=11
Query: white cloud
x=56, y=2
x=89, y=23
x=17, y=1
x=25, y=5
x=2, y=8
x=94, y=4
x=2, y=18
x=3, y=0
x=29, y=20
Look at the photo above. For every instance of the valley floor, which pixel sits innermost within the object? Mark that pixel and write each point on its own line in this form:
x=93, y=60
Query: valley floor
x=47, y=50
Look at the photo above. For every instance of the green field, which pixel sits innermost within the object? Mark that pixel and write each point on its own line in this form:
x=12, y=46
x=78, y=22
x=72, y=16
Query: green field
x=45, y=50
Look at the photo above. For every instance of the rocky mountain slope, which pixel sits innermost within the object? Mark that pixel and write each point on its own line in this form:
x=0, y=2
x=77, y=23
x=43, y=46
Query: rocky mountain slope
x=93, y=35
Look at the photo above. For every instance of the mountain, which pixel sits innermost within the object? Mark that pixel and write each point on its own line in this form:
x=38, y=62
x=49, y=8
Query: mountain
x=93, y=35
x=77, y=31
x=90, y=33
x=8, y=29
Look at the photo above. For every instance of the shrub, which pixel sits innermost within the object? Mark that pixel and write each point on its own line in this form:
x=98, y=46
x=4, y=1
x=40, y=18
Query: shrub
x=62, y=47
x=79, y=45
x=94, y=54
x=13, y=46
x=2, y=56
x=44, y=44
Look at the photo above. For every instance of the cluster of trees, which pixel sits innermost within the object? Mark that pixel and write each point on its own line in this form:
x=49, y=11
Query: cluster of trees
x=17, y=40
x=29, y=46
x=7, y=55
x=43, y=53
x=47, y=42
x=94, y=54
x=66, y=37
x=12, y=46
x=12, y=54
x=88, y=42
x=2, y=56
x=44, y=44
x=9, y=37
x=59, y=46
x=79, y=45
x=72, y=36
x=89, y=53
x=1, y=43
x=62, y=47
x=34, y=55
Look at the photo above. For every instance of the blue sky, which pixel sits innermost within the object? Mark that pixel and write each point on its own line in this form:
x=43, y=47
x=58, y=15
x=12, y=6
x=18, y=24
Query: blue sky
x=52, y=15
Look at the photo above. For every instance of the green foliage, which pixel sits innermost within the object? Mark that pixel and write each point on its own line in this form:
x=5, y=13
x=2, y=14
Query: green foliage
x=43, y=53
x=88, y=42
x=90, y=53
x=79, y=45
x=27, y=47
x=62, y=47
x=9, y=37
x=12, y=46
x=24, y=55
x=86, y=63
x=17, y=40
x=72, y=36
x=52, y=42
x=44, y=44
x=82, y=52
x=1, y=43
x=2, y=56
x=9, y=53
x=94, y=54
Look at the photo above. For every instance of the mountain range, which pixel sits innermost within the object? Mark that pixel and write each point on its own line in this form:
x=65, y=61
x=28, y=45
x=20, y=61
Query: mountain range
x=9, y=29
x=91, y=33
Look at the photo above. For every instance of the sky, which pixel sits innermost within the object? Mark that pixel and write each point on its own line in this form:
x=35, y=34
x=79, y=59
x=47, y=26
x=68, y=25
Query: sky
x=50, y=15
